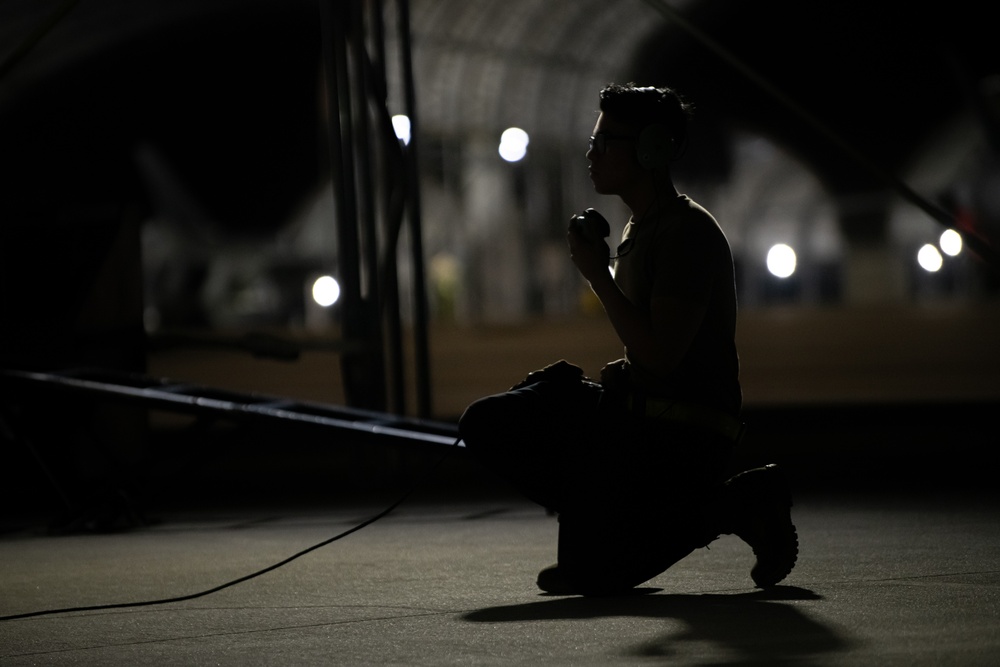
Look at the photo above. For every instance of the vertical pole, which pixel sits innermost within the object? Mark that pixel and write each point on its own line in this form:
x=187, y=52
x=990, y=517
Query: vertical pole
x=393, y=185
x=356, y=374
x=421, y=352
x=373, y=380
x=371, y=291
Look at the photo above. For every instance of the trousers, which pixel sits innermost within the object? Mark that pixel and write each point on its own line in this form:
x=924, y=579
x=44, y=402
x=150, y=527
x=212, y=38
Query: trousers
x=633, y=495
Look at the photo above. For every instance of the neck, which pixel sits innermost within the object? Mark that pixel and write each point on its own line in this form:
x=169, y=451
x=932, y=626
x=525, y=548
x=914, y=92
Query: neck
x=649, y=193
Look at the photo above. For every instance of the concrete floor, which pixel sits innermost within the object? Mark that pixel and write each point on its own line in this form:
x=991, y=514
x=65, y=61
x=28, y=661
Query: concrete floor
x=896, y=508
x=448, y=579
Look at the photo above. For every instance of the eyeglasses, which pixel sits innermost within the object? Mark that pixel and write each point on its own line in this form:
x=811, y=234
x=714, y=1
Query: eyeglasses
x=599, y=142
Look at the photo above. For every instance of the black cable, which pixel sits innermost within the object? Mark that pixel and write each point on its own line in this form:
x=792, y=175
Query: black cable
x=240, y=580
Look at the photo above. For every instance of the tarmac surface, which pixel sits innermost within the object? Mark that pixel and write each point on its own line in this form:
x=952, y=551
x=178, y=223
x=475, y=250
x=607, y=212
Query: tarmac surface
x=447, y=578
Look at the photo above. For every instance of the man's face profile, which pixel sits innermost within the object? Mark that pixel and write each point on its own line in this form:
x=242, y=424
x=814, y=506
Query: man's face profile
x=613, y=162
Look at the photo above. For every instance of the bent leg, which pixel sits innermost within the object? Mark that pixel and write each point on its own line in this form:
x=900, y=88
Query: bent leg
x=664, y=510
x=535, y=436
x=611, y=557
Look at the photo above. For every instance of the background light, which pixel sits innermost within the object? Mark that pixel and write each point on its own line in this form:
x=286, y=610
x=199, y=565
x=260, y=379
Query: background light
x=950, y=242
x=326, y=291
x=513, y=144
x=929, y=258
x=401, y=124
x=781, y=260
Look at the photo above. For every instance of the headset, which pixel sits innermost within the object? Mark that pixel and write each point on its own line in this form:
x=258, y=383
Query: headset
x=654, y=147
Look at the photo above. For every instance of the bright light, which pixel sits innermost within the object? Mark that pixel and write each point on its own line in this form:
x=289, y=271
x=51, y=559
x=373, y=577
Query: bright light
x=326, y=291
x=781, y=260
x=929, y=258
x=513, y=144
x=950, y=242
x=401, y=124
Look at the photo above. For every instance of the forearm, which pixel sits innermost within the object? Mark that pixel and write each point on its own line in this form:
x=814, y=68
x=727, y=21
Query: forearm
x=655, y=340
x=634, y=327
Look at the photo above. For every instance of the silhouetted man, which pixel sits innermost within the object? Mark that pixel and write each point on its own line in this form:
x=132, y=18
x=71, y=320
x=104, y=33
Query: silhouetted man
x=635, y=464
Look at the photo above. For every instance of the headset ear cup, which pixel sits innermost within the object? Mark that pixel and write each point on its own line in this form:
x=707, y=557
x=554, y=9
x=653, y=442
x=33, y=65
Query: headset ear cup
x=654, y=147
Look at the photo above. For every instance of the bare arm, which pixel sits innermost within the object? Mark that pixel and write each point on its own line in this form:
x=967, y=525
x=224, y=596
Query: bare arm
x=656, y=342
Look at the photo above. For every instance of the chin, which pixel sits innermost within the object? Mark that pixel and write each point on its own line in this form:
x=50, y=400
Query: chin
x=602, y=186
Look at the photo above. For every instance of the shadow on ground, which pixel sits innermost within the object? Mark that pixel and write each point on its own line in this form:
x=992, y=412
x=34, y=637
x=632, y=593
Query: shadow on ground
x=761, y=627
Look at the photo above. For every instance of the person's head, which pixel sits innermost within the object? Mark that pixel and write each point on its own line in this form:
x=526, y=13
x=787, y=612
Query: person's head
x=640, y=130
x=641, y=107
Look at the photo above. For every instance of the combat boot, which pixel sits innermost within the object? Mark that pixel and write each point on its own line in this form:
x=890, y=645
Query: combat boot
x=762, y=518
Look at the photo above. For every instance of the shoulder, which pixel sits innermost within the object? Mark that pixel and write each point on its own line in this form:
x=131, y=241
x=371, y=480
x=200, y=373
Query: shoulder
x=685, y=221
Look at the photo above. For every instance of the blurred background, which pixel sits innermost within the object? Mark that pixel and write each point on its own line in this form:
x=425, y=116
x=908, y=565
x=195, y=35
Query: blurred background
x=364, y=204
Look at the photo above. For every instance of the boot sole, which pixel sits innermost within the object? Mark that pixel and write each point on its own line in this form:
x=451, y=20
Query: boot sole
x=777, y=549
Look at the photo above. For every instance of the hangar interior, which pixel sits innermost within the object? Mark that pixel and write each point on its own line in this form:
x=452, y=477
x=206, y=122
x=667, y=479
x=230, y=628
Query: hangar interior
x=179, y=176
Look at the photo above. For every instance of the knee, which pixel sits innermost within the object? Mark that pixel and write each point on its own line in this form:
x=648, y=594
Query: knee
x=476, y=422
x=490, y=423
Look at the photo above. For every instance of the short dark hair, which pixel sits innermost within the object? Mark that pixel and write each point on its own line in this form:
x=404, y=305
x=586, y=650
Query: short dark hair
x=642, y=106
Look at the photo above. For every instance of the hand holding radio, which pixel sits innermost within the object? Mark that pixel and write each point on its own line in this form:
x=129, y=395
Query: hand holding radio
x=591, y=225
x=587, y=247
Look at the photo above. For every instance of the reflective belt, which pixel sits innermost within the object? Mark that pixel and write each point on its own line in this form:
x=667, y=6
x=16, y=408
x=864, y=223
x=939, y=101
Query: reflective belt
x=688, y=413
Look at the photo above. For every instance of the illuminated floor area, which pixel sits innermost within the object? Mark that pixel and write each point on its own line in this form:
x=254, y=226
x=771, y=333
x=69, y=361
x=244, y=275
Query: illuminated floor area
x=882, y=580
